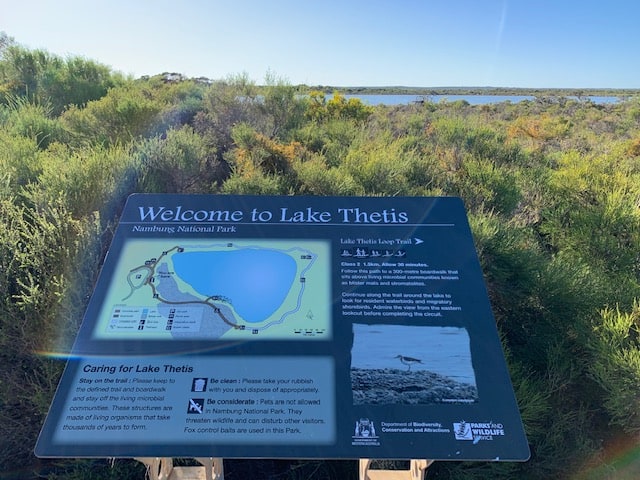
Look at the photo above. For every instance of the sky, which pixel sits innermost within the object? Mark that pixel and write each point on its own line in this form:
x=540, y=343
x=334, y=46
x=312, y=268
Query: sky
x=421, y=43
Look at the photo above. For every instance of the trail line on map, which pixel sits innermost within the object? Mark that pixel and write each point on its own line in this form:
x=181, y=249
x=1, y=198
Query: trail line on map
x=150, y=267
x=146, y=274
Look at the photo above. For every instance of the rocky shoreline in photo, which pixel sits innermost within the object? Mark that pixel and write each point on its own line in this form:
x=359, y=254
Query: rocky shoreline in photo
x=391, y=386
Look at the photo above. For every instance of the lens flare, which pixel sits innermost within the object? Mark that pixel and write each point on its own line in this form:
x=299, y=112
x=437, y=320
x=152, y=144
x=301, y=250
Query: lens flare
x=619, y=460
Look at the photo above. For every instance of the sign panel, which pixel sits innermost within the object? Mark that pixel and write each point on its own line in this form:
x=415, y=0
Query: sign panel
x=309, y=327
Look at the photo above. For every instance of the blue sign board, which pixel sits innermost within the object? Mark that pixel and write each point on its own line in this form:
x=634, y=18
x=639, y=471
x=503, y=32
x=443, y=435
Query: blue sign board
x=308, y=327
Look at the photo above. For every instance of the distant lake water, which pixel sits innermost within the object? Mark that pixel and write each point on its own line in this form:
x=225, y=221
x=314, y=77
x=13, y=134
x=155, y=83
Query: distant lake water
x=472, y=99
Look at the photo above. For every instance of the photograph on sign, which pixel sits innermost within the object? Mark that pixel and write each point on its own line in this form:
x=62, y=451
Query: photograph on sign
x=435, y=366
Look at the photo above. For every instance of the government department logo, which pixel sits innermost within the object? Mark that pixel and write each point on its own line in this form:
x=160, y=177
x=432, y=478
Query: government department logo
x=364, y=429
x=364, y=433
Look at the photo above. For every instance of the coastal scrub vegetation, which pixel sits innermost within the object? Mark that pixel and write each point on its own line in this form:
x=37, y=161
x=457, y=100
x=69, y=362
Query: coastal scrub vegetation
x=552, y=188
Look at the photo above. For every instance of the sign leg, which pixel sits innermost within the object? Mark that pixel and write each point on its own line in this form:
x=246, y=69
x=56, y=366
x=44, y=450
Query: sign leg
x=157, y=468
x=163, y=469
x=417, y=469
x=214, y=468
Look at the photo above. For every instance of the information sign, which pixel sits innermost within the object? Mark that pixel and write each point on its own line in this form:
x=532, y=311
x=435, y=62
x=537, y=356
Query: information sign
x=281, y=327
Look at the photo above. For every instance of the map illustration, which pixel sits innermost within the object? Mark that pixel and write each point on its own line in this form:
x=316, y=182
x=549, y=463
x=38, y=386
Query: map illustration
x=231, y=289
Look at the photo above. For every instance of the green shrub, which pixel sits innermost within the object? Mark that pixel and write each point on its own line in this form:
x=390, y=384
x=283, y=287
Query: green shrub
x=255, y=183
x=337, y=107
x=48, y=261
x=179, y=163
x=20, y=161
x=380, y=166
x=45, y=78
x=331, y=139
x=88, y=179
x=482, y=184
x=33, y=120
x=617, y=366
x=124, y=114
x=592, y=210
x=316, y=178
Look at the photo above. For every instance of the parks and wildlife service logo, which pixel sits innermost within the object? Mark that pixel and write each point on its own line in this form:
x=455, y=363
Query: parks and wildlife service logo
x=462, y=431
x=365, y=433
x=476, y=431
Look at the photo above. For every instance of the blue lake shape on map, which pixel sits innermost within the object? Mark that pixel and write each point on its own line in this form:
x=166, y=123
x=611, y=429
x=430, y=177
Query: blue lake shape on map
x=257, y=281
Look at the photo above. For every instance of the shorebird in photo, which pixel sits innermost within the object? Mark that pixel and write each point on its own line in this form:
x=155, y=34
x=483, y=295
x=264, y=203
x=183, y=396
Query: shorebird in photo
x=408, y=361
